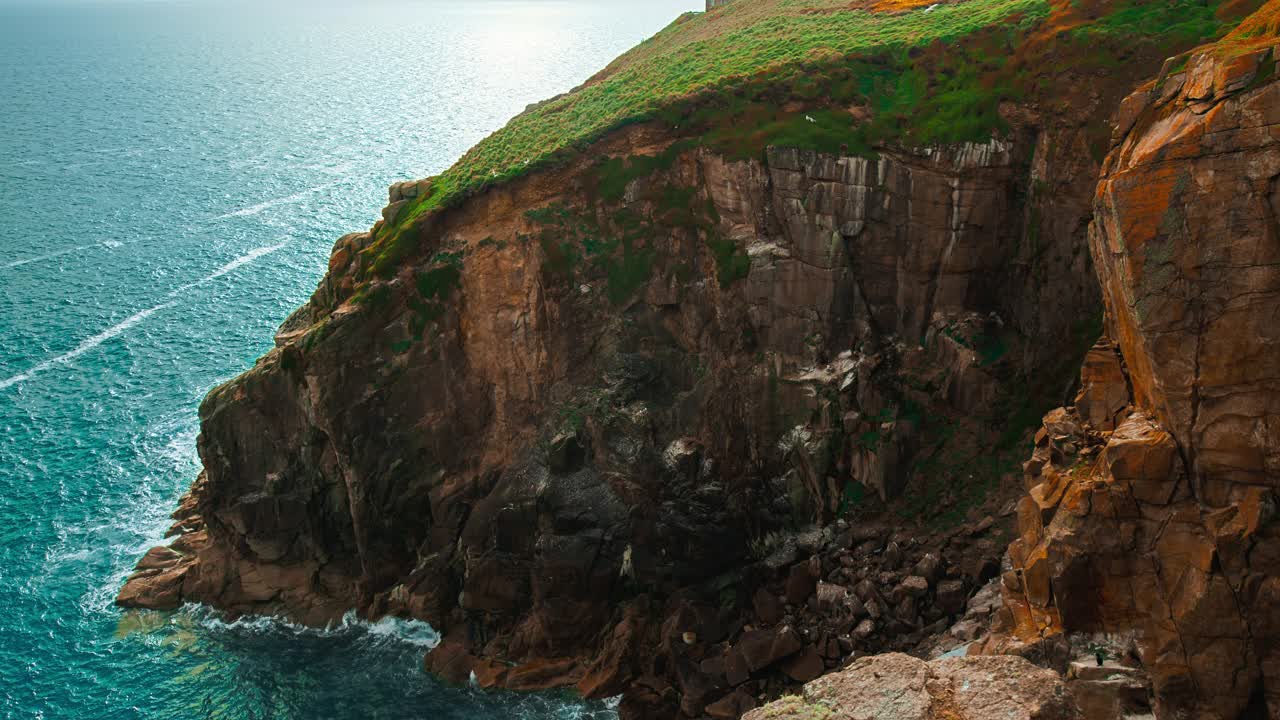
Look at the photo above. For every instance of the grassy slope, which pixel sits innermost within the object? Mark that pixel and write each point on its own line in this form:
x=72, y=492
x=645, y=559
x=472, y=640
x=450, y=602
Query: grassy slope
x=699, y=51
x=928, y=75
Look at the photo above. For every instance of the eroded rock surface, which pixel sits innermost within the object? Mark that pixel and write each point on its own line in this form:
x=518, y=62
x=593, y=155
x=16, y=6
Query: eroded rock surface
x=1151, y=503
x=565, y=437
x=900, y=687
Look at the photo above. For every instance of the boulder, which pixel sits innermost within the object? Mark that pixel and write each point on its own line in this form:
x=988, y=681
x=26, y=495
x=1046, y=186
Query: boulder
x=900, y=687
x=768, y=607
x=928, y=567
x=833, y=598
x=450, y=661
x=951, y=597
x=804, y=666
x=914, y=586
x=760, y=649
x=731, y=706
x=801, y=583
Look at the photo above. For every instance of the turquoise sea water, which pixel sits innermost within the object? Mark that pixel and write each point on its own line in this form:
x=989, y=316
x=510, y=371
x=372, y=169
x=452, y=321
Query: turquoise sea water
x=172, y=177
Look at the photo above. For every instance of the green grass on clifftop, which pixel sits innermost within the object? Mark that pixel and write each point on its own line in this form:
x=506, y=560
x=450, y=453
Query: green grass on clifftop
x=822, y=52
x=698, y=52
x=701, y=51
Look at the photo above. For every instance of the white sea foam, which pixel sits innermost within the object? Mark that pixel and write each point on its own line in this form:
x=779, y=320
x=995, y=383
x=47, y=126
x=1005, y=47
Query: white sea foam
x=396, y=630
x=267, y=205
x=111, y=332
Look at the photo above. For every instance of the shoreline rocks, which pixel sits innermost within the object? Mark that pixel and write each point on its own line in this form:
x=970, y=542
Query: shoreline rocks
x=899, y=687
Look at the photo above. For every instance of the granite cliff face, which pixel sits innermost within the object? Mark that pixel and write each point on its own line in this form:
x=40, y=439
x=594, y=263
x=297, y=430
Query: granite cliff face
x=1152, y=501
x=695, y=428
x=578, y=418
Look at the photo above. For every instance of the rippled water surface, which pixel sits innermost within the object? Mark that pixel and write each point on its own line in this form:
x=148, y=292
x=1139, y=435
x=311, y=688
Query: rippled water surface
x=172, y=176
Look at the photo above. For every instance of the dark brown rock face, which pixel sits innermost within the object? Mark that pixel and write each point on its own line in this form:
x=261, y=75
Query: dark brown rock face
x=1151, y=503
x=559, y=435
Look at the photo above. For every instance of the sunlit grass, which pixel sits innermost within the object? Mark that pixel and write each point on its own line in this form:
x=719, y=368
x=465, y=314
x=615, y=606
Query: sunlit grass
x=697, y=52
x=730, y=71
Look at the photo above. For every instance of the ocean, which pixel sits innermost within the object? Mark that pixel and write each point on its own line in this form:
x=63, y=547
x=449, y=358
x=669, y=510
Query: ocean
x=172, y=178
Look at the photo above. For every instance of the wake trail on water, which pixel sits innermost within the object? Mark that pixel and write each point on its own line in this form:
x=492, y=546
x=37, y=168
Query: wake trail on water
x=120, y=327
x=59, y=253
x=268, y=204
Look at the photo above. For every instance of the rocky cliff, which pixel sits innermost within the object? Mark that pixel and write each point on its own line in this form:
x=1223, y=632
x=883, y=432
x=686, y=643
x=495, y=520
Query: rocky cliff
x=1151, y=506
x=694, y=416
x=583, y=407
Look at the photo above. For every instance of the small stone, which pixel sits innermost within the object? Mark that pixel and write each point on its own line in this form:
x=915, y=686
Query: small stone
x=983, y=525
x=928, y=567
x=951, y=597
x=768, y=607
x=906, y=610
x=731, y=706
x=804, y=667
x=831, y=597
x=801, y=582
x=914, y=586
x=892, y=555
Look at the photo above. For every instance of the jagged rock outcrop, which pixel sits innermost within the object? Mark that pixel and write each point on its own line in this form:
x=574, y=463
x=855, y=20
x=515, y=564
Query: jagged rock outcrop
x=900, y=687
x=1152, y=502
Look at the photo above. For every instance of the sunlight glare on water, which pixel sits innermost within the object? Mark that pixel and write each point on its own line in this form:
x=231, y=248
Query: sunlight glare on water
x=172, y=178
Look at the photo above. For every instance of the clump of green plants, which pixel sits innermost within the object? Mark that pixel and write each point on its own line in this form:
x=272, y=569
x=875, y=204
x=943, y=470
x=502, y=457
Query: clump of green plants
x=732, y=263
x=795, y=707
x=435, y=286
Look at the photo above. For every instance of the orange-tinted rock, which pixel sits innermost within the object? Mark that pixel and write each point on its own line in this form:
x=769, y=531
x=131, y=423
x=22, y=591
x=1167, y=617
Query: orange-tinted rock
x=1158, y=530
x=451, y=661
x=153, y=589
x=544, y=674
x=1104, y=392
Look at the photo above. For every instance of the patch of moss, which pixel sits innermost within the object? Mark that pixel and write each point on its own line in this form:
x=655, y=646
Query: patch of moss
x=438, y=282
x=373, y=296
x=732, y=263
x=627, y=274
x=613, y=175
x=435, y=286
x=795, y=707
x=559, y=257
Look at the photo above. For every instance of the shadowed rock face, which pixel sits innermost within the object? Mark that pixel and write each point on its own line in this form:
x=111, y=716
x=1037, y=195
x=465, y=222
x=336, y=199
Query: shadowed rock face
x=556, y=435
x=1152, y=502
